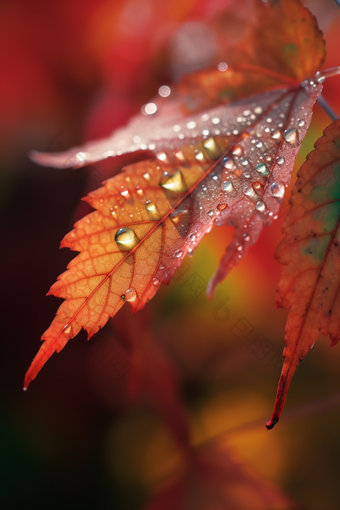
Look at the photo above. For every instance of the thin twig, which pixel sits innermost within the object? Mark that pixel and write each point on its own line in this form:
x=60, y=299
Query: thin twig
x=323, y=103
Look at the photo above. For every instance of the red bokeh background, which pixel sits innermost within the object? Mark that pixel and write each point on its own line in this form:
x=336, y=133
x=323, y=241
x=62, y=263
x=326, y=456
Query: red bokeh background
x=73, y=71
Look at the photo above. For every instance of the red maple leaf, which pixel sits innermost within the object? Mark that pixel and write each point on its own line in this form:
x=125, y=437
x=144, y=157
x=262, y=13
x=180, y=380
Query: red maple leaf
x=223, y=161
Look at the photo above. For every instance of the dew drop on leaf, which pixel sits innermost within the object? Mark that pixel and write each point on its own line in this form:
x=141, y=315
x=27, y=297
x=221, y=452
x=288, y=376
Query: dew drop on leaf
x=290, y=136
x=227, y=186
x=262, y=169
x=67, y=329
x=237, y=150
x=277, y=134
x=260, y=206
x=130, y=295
x=126, y=238
x=277, y=189
x=152, y=211
x=229, y=164
x=173, y=182
x=212, y=148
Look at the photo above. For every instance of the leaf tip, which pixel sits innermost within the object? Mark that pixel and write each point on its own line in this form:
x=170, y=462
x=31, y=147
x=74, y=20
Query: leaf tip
x=271, y=423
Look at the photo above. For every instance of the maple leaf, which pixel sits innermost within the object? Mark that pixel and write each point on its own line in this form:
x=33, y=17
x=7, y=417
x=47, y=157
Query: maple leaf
x=212, y=479
x=226, y=165
x=310, y=282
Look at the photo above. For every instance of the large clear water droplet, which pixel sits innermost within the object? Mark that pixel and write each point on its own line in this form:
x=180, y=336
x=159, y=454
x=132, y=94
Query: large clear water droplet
x=152, y=211
x=126, y=238
x=174, y=182
x=290, y=136
x=277, y=189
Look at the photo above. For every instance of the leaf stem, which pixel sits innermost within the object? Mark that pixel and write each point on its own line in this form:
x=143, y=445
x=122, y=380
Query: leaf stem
x=328, y=109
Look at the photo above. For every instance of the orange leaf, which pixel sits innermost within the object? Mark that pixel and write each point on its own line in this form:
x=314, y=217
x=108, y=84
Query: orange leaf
x=152, y=214
x=310, y=282
x=229, y=164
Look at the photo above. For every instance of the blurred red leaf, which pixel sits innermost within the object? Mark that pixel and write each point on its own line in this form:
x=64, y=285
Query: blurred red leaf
x=212, y=480
x=310, y=282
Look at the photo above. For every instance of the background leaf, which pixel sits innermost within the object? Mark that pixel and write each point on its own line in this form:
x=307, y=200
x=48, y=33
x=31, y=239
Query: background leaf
x=310, y=283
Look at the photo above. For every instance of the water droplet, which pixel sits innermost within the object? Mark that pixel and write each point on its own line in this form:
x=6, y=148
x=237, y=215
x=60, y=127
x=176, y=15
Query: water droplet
x=257, y=185
x=222, y=66
x=191, y=124
x=164, y=91
x=146, y=176
x=205, y=117
x=210, y=213
x=174, y=182
x=199, y=155
x=149, y=109
x=246, y=113
x=259, y=144
x=258, y=110
x=280, y=160
x=67, y=329
x=177, y=128
x=300, y=122
x=178, y=254
x=262, y=169
x=229, y=164
x=245, y=162
x=130, y=295
x=216, y=120
x=277, y=134
x=227, y=186
x=248, y=191
x=180, y=156
x=290, y=136
x=155, y=281
x=269, y=120
x=277, y=189
x=125, y=193
x=152, y=211
x=221, y=207
x=137, y=139
x=247, y=175
x=260, y=206
x=162, y=156
x=237, y=150
x=212, y=148
x=320, y=78
x=126, y=238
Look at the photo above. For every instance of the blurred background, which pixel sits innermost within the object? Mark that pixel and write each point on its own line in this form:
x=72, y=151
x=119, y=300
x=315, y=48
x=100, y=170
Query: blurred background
x=107, y=422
